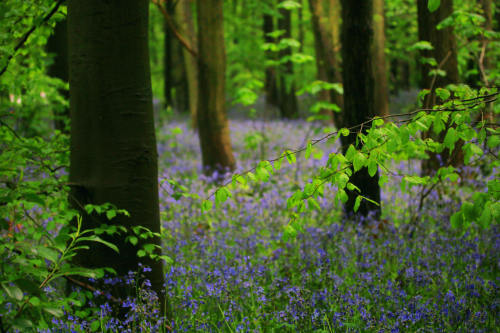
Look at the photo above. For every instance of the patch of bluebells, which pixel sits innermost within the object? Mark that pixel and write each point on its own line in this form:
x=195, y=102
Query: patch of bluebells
x=230, y=272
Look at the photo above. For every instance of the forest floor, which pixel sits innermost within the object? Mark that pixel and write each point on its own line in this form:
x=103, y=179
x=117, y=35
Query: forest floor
x=231, y=272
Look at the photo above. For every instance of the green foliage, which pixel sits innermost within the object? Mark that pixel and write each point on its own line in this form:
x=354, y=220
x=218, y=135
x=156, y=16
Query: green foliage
x=433, y=5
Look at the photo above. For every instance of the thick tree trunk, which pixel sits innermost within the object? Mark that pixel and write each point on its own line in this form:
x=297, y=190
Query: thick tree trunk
x=185, y=17
x=58, y=44
x=379, y=63
x=445, y=54
x=113, y=145
x=327, y=66
x=213, y=126
x=357, y=74
x=287, y=99
x=270, y=86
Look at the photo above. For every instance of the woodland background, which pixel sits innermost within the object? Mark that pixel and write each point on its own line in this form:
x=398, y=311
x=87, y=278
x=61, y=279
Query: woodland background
x=249, y=165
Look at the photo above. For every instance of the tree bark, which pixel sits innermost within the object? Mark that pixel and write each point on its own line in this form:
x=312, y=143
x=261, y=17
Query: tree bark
x=213, y=131
x=287, y=99
x=58, y=45
x=445, y=54
x=270, y=86
x=113, y=146
x=327, y=66
x=379, y=60
x=184, y=14
x=357, y=74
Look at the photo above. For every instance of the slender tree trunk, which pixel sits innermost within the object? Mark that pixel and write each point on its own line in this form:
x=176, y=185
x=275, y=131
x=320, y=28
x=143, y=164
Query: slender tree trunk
x=379, y=64
x=357, y=74
x=176, y=85
x=287, y=99
x=214, y=128
x=445, y=54
x=270, y=86
x=185, y=16
x=326, y=59
x=113, y=145
x=167, y=63
x=300, y=24
x=58, y=44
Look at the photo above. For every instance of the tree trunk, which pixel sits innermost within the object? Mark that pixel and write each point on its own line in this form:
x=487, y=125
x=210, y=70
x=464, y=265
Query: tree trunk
x=445, y=54
x=58, y=44
x=214, y=128
x=176, y=84
x=113, y=146
x=270, y=86
x=167, y=62
x=184, y=13
x=379, y=66
x=357, y=74
x=327, y=66
x=287, y=99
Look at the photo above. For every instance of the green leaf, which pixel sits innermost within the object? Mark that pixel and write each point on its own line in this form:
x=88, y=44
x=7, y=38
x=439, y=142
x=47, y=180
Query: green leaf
x=97, y=239
x=95, y=325
x=133, y=240
x=442, y=93
x=110, y=214
x=308, y=150
x=141, y=253
x=372, y=167
x=206, y=206
x=13, y=291
x=357, y=203
x=289, y=4
x=35, y=301
x=450, y=138
x=359, y=161
x=457, y=220
x=290, y=156
x=433, y=5
x=343, y=196
x=344, y=132
x=56, y=312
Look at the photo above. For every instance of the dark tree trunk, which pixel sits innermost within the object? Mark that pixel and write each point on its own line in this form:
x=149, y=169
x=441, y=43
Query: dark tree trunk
x=58, y=45
x=287, y=99
x=214, y=129
x=445, y=54
x=379, y=63
x=359, y=100
x=327, y=66
x=113, y=145
x=270, y=86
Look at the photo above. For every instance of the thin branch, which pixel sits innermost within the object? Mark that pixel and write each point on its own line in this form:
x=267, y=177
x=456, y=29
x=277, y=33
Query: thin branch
x=28, y=33
x=486, y=99
x=173, y=28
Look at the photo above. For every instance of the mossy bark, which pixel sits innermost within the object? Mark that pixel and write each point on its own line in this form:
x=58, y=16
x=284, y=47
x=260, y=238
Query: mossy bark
x=113, y=147
x=213, y=127
x=379, y=60
x=288, y=104
x=327, y=66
